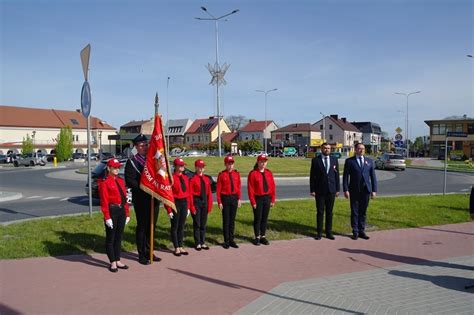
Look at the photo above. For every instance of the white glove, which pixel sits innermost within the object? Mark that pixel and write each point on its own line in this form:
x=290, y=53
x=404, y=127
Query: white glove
x=189, y=211
x=127, y=220
x=171, y=215
x=109, y=223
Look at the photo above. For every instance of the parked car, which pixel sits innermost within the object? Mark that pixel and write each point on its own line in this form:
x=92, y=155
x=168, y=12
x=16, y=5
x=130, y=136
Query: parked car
x=105, y=155
x=3, y=159
x=78, y=156
x=390, y=161
x=194, y=153
x=29, y=159
x=99, y=172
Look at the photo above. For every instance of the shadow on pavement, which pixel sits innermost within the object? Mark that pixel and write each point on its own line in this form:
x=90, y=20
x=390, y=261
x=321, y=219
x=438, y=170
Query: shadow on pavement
x=447, y=282
x=238, y=286
x=9, y=211
x=406, y=259
x=83, y=201
x=6, y=310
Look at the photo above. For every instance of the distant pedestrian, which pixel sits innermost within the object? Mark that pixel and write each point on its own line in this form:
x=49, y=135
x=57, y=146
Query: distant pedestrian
x=201, y=205
x=183, y=201
x=114, y=206
x=262, y=192
x=324, y=186
x=359, y=184
x=228, y=199
x=141, y=200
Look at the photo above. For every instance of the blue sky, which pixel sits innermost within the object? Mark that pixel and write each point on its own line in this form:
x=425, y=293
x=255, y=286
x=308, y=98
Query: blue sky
x=342, y=57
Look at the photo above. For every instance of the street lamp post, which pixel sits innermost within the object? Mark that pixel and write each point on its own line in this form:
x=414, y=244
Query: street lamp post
x=217, y=72
x=324, y=126
x=33, y=134
x=406, y=130
x=167, y=117
x=264, y=135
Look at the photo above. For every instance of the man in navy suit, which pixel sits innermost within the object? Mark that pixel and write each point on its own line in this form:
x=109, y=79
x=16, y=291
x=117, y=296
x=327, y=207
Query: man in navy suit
x=359, y=184
x=324, y=186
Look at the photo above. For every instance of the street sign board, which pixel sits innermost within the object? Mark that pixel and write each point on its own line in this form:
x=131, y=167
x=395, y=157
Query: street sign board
x=456, y=134
x=85, y=55
x=398, y=137
x=86, y=99
x=398, y=143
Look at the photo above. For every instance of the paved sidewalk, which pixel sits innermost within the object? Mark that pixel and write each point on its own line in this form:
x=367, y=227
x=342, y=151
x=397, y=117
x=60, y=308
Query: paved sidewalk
x=411, y=270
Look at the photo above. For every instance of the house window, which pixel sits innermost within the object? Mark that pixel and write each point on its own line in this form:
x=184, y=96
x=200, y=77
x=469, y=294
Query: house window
x=320, y=127
x=330, y=137
x=458, y=128
x=436, y=129
x=74, y=121
x=187, y=139
x=194, y=139
x=442, y=129
x=330, y=127
x=470, y=129
x=253, y=137
x=199, y=138
x=77, y=138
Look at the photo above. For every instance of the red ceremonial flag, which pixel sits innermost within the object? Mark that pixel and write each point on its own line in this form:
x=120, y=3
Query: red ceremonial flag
x=157, y=179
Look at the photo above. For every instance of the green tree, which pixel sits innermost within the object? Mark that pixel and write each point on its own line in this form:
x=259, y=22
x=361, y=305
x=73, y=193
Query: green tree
x=27, y=145
x=255, y=145
x=418, y=145
x=226, y=146
x=64, y=144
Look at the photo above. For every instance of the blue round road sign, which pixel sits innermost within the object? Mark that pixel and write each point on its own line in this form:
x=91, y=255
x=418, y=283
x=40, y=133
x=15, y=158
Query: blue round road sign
x=86, y=99
x=398, y=137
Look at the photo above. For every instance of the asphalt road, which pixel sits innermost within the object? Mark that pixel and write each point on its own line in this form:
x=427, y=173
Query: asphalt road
x=47, y=191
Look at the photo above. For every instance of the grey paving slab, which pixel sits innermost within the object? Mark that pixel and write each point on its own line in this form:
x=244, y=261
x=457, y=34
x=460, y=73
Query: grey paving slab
x=433, y=288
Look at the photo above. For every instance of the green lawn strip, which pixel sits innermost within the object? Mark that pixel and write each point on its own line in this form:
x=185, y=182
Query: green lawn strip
x=244, y=164
x=288, y=220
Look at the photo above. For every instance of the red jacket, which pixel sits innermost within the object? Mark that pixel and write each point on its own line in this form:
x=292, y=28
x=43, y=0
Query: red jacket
x=109, y=193
x=195, y=183
x=224, y=186
x=178, y=193
x=255, y=185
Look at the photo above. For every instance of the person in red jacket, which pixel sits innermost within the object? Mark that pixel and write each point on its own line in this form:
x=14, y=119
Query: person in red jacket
x=201, y=205
x=228, y=198
x=114, y=206
x=261, y=191
x=183, y=202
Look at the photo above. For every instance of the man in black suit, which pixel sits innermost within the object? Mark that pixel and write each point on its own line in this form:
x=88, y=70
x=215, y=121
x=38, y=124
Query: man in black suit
x=359, y=184
x=324, y=186
x=141, y=200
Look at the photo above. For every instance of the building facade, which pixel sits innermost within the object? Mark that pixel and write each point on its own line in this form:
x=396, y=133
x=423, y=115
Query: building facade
x=205, y=131
x=299, y=135
x=438, y=130
x=44, y=125
x=371, y=136
x=258, y=130
x=340, y=133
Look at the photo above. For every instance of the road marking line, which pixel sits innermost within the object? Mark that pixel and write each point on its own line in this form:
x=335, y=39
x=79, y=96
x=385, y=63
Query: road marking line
x=465, y=189
x=64, y=199
x=33, y=197
x=48, y=198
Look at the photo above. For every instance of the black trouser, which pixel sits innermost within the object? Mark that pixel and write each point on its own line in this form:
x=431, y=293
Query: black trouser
x=324, y=203
x=260, y=215
x=177, y=223
x=143, y=232
x=359, y=203
x=113, y=237
x=229, y=210
x=199, y=221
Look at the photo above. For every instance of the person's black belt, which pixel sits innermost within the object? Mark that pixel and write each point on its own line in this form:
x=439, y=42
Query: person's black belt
x=180, y=199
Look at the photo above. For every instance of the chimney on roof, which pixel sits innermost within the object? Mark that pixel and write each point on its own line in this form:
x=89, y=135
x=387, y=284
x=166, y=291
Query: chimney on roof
x=344, y=119
x=334, y=116
x=296, y=125
x=78, y=110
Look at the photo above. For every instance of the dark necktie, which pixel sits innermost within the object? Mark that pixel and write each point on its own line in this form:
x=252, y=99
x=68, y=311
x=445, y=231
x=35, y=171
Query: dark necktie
x=326, y=164
x=231, y=182
x=183, y=185
x=203, y=188
x=265, y=184
x=122, y=194
x=360, y=160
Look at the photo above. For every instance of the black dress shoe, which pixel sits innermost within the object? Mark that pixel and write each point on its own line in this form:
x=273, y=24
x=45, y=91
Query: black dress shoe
x=144, y=261
x=205, y=247
x=177, y=254
x=364, y=236
x=156, y=258
x=264, y=241
x=113, y=269
x=185, y=253
x=330, y=236
x=354, y=236
x=256, y=242
x=233, y=244
x=225, y=245
x=122, y=267
x=317, y=237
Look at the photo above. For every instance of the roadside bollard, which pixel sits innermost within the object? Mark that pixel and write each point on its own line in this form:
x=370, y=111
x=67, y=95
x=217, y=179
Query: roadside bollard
x=55, y=162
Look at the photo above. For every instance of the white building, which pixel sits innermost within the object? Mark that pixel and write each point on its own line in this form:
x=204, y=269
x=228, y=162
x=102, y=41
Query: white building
x=43, y=125
x=339, y=133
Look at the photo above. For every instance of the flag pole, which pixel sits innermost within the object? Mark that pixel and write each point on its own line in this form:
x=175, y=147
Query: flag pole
x=152, y=201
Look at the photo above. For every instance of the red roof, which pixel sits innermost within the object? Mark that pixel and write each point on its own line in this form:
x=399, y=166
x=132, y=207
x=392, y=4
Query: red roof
x=229, y=136
x=344, y=125
x=202, y=126
x=13, y=116
x=255, y=126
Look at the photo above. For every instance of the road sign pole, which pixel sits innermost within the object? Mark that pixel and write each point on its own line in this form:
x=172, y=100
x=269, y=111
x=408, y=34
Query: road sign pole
x=445, y=163
x=89, y=177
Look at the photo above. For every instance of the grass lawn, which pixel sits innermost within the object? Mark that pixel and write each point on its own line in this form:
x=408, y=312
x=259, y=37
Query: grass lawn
x=288, y=220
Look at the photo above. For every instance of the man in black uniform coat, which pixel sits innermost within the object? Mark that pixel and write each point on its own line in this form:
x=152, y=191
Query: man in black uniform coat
x=141, y=200
x=324, y=186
